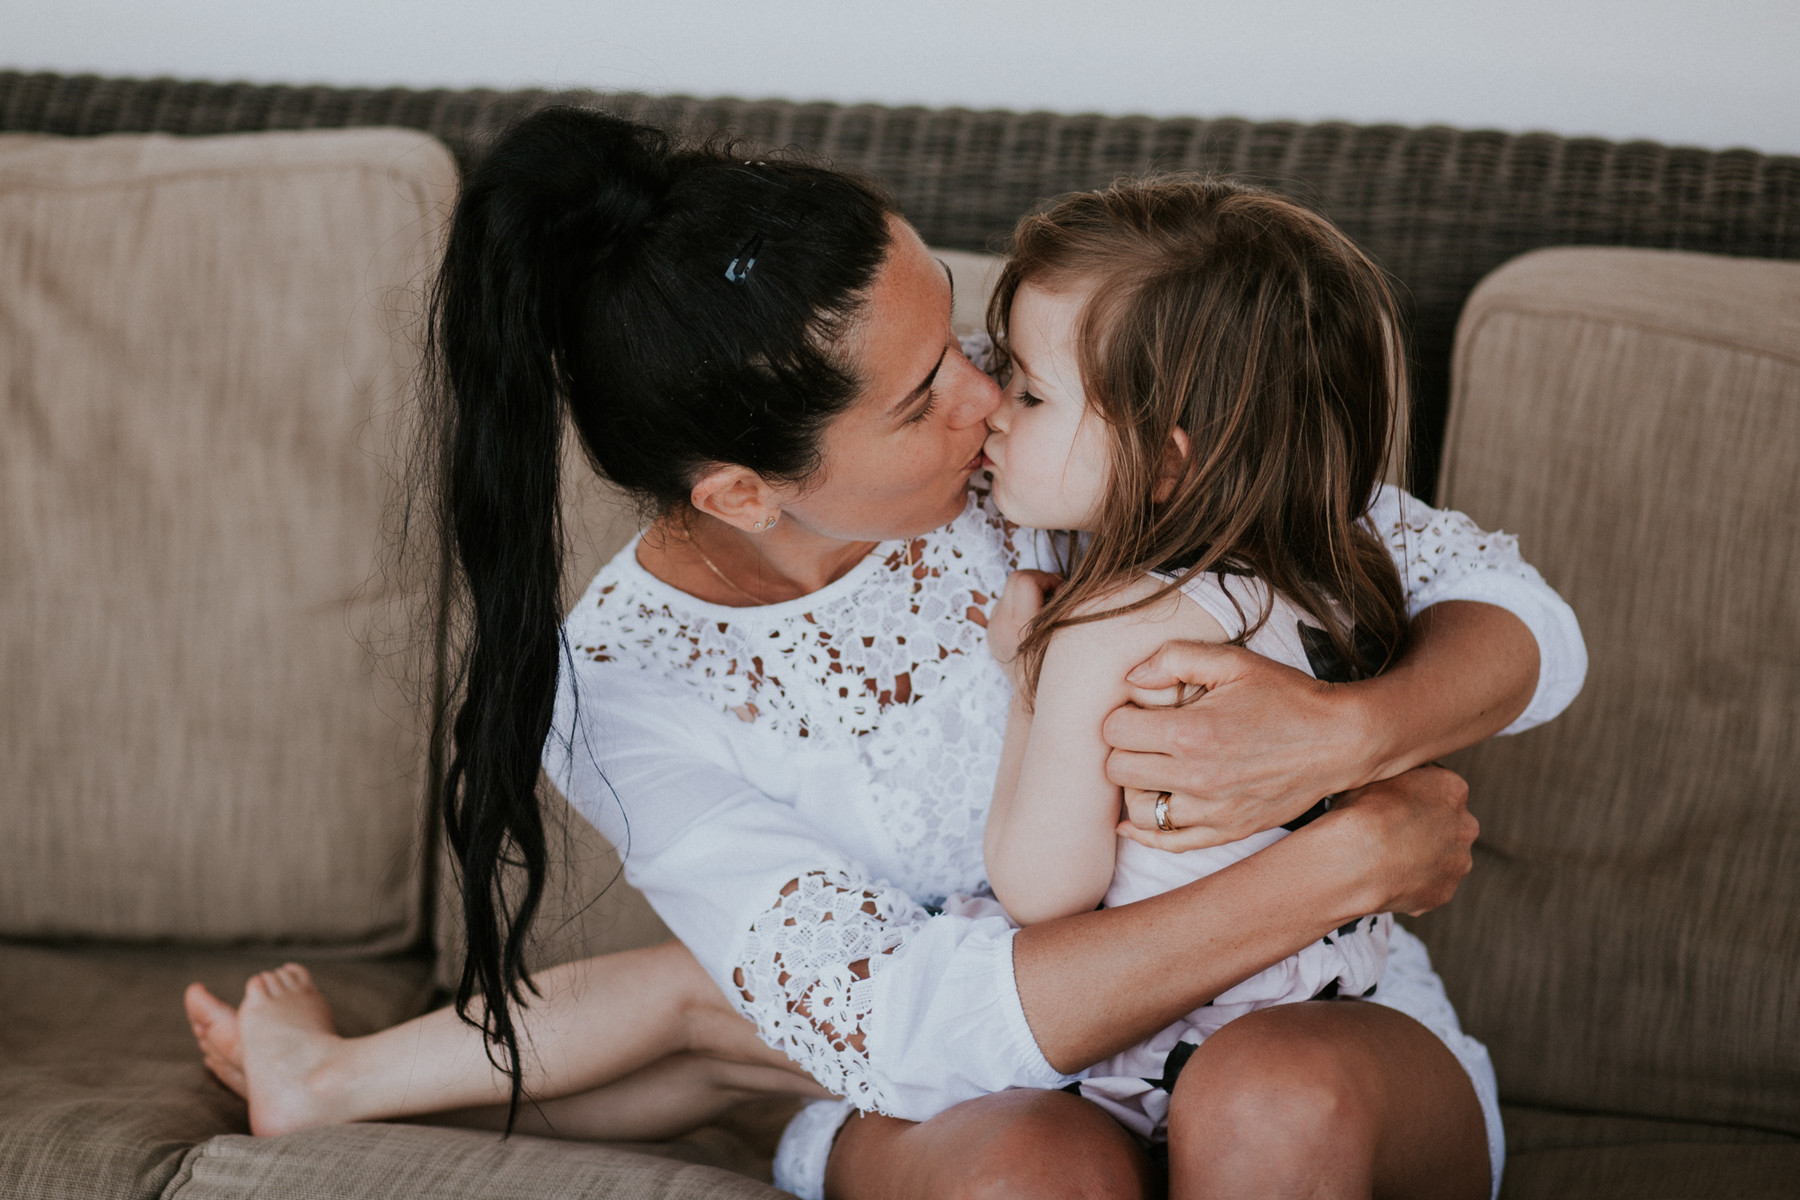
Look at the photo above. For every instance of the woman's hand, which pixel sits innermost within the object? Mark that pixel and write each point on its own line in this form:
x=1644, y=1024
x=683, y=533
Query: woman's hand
x=1021, y=600
x=1415, y=830
x=1254, y=745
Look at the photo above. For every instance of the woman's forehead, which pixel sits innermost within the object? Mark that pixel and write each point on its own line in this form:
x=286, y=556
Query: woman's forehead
x=906, y=322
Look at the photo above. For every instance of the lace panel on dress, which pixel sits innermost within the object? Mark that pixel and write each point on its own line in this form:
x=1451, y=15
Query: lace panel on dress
x=1435, y=547
x=808, y=970
x=795, y=672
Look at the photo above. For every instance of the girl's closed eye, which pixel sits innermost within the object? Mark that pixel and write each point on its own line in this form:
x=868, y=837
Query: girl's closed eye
x=1027, y=400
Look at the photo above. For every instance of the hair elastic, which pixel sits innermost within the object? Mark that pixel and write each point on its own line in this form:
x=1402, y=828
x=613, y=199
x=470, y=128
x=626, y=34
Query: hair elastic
x=746, y=256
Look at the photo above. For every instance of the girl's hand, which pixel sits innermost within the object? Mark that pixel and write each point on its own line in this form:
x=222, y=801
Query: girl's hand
x=1019, y=602
x=1253, y=745
x=1415, y=831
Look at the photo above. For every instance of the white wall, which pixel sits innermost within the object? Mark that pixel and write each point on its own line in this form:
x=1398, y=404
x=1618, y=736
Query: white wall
x=1714, y=73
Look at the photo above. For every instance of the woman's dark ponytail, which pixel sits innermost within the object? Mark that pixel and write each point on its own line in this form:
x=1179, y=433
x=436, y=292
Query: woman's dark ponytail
x=537, y=213
x=586, y=270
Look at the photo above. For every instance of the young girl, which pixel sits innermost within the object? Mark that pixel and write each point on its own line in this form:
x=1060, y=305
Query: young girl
x=1203, y=379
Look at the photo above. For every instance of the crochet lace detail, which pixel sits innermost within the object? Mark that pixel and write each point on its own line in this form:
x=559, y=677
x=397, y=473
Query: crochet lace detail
x=892, y=670
x=1440, y=548
x=807, y=975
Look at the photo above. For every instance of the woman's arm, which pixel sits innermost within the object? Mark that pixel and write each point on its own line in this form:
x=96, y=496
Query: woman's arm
x=907, y=1013
x=1399, y=845
x=1492, y=650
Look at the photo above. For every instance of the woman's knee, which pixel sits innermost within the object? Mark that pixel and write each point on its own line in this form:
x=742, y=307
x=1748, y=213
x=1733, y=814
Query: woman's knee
x=1275, y=1083
x=1018, y=1145
x=1054, y=1146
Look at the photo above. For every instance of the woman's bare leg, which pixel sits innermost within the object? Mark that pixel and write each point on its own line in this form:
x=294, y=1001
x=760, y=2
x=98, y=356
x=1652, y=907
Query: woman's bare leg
x=1018, y=1145
x=666, y=1099
x=597, y=1021
x=1327, y=1099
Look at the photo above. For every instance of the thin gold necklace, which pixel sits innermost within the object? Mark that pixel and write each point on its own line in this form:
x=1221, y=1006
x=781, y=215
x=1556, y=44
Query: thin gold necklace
x=910, y=560
x=725, y=579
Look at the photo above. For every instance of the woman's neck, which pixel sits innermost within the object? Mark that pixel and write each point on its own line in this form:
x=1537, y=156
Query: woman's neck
x=721, y=564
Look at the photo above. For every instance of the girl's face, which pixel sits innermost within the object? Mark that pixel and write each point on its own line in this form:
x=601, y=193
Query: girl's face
x=897, y=462
x=1048, y=450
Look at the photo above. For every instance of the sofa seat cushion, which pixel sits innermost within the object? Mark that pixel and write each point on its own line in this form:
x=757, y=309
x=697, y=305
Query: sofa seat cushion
x=1529, y=1130
x=101, y=1087
x=1627, y=941
x=205, y=713
x=1660, y=1171
x=375, y=1162
x=103, y=1096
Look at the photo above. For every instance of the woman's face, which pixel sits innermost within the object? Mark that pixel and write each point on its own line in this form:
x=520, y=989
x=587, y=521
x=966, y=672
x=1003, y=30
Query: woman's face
x=898, y=461
x=1048, y=449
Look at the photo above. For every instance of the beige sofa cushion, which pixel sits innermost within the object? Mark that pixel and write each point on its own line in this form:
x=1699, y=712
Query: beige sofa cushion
x=205, y=716
x=377, y=1162
x=101, y=1088
x=1630, y=939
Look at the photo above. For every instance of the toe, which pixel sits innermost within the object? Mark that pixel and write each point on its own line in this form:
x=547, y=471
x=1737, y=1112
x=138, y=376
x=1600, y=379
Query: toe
x=203, y=1008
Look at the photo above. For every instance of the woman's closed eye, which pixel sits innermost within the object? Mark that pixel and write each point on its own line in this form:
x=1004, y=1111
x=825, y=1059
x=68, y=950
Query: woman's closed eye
x=925, y=409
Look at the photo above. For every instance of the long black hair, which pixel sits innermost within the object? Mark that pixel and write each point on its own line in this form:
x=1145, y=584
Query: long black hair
x=682, y=305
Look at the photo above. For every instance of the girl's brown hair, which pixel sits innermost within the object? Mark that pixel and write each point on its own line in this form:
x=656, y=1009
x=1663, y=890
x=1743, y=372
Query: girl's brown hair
x=1262, y=331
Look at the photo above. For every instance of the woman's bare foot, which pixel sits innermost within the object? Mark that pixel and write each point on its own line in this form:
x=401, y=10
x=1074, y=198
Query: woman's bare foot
x=271, y=1049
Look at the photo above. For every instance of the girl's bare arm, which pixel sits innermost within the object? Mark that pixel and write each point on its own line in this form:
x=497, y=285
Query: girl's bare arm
x=1050, y=838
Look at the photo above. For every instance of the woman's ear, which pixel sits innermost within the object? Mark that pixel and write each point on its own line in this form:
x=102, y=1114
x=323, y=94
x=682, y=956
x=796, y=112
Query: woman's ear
x=1173, y=467
x=737, y=496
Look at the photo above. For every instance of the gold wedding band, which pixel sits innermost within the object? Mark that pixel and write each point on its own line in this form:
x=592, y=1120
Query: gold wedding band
x=1162, y=814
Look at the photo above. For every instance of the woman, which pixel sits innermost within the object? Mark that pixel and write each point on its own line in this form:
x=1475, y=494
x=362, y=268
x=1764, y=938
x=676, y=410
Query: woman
x=776, y=703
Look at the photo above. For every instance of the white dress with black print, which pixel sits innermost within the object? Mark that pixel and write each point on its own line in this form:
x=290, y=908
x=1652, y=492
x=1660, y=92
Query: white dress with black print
x=1135, y=1085
x=800, y=790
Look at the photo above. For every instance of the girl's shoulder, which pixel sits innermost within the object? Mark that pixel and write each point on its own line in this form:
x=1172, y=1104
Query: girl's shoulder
x=1125, y=625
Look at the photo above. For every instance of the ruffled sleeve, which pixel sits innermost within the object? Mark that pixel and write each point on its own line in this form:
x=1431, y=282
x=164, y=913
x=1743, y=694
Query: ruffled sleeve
x=898, y=1010
x=1443, y=555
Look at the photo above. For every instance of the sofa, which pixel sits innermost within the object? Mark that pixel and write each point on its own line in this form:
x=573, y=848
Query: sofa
x=219, y=660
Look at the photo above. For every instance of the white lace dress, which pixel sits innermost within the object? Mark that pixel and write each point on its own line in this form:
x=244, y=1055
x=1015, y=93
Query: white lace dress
x=799, y=789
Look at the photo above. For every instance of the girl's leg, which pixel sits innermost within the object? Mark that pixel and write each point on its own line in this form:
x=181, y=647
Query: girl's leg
x=597, y=1021
x=1327, y=1099
x=1018, y=1145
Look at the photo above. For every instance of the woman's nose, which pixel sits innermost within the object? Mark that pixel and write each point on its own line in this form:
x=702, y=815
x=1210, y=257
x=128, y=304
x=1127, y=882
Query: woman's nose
x=978, y=397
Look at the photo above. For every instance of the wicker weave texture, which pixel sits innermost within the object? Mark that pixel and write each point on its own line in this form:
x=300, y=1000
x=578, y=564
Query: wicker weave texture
x=1438, y=207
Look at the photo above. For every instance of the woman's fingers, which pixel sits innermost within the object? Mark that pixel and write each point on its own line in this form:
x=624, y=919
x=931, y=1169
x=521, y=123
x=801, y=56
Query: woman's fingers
x=1192, y=837
x=1192, y=822
x=1021, y=600
x=1419, y=831
x=1260, y=741
x=1196, y=664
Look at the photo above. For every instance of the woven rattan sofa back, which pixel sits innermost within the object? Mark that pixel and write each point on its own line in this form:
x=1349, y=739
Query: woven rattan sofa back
x=1438, y=207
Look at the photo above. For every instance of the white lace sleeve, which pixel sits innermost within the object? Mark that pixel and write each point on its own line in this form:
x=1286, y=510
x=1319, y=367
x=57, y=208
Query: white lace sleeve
x=806, y=975
x=1443, y=555
x=898, y=1011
